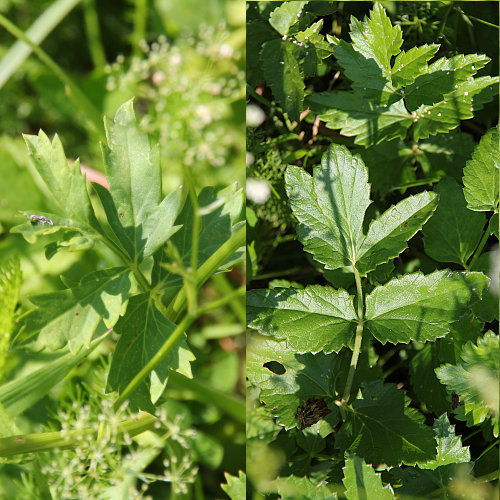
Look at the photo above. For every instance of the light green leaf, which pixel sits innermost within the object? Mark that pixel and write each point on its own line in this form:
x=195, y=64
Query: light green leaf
x=475, y=380
x=453, y=233
x=379, y=435
x=137, y=217
x=376, y=38
x=313, y=319
x=449, y=446
x=284, y=74
x=408, y=65
x=354, y=115
x=313, y=39
x=302, y=488
x=285, y=16
x=419, y=307
x=143, y=330
x=388, y=235
x=481, y=174
x=330, y=206
x=71, y=317
x=363, y=483
x=236, y=487
x=10, y=284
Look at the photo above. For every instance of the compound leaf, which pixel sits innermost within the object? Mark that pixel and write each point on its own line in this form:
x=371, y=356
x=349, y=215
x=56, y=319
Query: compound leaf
x=392, y=437
x=408, y=65
x=454, y=231
x=363, y=483
x=420, y=307
x=71, y=317
x=143, y=330
x=313, y=319
x=481, y=174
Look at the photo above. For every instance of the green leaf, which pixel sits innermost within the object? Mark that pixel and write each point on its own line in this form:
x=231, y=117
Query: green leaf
x=487, y=308
x=475, y=380
x=143, y=330
x=64, y=181
x=236, y=487
x=313, y=319
x=288, y=379
x=284, y=75
x=481, y=174
x=313, y=39
x=354, y=115
x=419, y=307
x=449, y=446
x=392, y=437
x=376, y=38
x=258, y=32
x=331, y=206
x=454, y=231
x=10, y=284
x=285, y=16
x=302, y=488
x=71, y=317
x=137, y=217
x=363, y=483
x=408, y=65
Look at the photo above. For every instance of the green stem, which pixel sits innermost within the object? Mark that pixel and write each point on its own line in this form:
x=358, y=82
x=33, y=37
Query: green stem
x=188, y=320
x=47, y=441
x=140, y=19
x=479, y=249
x=206, y=270
x=94, y=34
x=224, y=287
x=85, y=105
x=358, y=339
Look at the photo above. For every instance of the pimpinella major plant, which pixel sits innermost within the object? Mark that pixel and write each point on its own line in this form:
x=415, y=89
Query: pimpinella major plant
x=167, y=247
x=313, y=359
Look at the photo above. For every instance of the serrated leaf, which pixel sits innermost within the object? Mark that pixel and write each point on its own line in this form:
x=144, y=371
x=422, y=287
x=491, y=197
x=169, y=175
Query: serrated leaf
x=10, y=284
x=331, y=206
x=408, y=65
x=64, y=181
x=475, y=380
x=481, y=174
x=487, y=308
x=420, y=307
x=284, y=75
x=381, y=436
x=354, y=115
x=71, y=317
x=302, y=488
x=143, y=330
x=235, y=487
x=258, y=32
x=313, y=319
x=285, y=16
x=454, y=231
x=140, y=220
x=313, y=39
x=363, y=483
x=449, y=447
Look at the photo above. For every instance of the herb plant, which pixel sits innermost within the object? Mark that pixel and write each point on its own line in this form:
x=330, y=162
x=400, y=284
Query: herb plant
x=373, y=354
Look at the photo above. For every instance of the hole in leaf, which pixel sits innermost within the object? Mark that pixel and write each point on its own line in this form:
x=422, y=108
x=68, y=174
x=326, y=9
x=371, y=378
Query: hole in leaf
x=275, y=367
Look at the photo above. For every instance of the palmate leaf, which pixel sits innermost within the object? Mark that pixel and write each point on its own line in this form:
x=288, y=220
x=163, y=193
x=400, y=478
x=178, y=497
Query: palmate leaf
x=481, y=174
x=331, y=206
x=140, y=220
x=313, y=319
x=420, y=307
x=71, y=317
x=363, y=483
x=382, y=436
x=475, y=379
x=454, y=231
x=143, y=330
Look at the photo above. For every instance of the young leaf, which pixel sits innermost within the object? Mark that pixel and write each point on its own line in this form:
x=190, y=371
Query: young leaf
x=379, y=435
x=137, y=217
x=449, y=447
x=313, y=319
x=363, y=483
x=286, y=15
x=481, y=174
x=235, y=487
x=71, y=317
x=475, y=379
x=419, y=307
x=454, y=231
x=331, y=206
x=143, y=330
